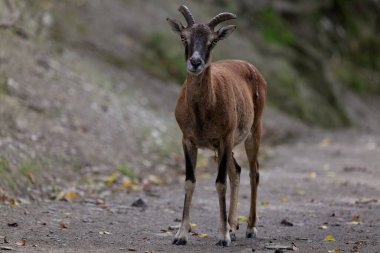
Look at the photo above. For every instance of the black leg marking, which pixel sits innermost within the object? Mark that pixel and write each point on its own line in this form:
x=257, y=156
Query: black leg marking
x=221, y=178
x=189, y=167
x=257, y=173
x=237, y=167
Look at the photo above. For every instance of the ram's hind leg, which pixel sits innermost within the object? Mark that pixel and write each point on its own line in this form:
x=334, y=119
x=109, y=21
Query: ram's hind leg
x=234, y=176
x=252, y=149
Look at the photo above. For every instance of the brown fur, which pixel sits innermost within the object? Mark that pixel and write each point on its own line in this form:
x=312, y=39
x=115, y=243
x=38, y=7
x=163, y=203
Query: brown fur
x=226, y=95
x=219, y=106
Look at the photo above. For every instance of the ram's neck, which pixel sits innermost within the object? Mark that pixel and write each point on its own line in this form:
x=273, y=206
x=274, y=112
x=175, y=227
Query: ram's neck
x=199, y=88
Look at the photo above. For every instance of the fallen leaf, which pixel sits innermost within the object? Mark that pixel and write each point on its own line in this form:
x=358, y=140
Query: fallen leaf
x=298, y=192
x=13, y=202
x=100, y=202
x=132, y=249
x=242, y=218
x=31, y=178
x=202, y=235
x=193, y=225
x=264, y=203
x=353, y=223
x=62, y=224
x=355, y=217
x=312, y=174
x=334, y=251
x=71, y=195
x=323, y=227
x=156, y=180
x=21, y=243
x=329, y=238
x=104, y=233
x=13, y=224
x=284, y=198
x=127, y=183
x=325, y=142
x=111, y=178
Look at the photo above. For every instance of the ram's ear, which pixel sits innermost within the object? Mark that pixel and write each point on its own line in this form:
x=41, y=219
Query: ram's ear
x=224, y=32
x=175, y=25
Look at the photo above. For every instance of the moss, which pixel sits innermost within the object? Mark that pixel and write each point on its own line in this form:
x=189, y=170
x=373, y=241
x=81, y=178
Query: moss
x=29, y=165
x=3, y=85
x=274, y=28
x=113, y=59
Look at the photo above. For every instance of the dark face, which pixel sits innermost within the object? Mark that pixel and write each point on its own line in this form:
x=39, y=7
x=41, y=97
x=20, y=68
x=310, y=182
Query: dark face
x=199, y=40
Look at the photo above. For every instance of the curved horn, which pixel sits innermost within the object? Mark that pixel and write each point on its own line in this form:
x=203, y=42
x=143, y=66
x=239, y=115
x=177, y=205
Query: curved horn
x=224, y=16
x=187, y=14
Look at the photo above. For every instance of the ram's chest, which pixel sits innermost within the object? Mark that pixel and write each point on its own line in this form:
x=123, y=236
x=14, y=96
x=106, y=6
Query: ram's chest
x=204, y=127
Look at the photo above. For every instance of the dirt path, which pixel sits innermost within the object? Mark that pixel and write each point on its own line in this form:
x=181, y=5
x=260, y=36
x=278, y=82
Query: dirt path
x=327, y=184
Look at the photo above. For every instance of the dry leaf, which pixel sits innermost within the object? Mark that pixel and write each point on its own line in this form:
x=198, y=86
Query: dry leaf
x=127, y=183
x=202, y=235
x=132, y=249
x=21, y=243
x=298, y=192
x=71, y=195
x=193, y=225
x=355, y=217
x=312, y=174
x=13, y=202
x=104, y=233
x=62, y=224
x=284, y=198
x=264, y=203
x=325, y=142
x=329, y=238
x=323, y=227
x=334, y=251
x=112, y=178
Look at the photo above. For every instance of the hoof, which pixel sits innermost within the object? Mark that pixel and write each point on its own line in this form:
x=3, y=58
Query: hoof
x=251, y=233
x=179, y=241
x=224, y=243
x=233, y=236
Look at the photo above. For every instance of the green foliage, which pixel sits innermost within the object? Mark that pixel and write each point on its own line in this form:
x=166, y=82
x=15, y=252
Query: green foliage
x=3, y=165
x=274, y=27
x=28, y=166
x=3, y=86
x=125, y=171
x=161, y=58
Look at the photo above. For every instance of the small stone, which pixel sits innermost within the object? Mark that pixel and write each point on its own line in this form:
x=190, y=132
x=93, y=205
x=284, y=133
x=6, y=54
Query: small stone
x=140, y=203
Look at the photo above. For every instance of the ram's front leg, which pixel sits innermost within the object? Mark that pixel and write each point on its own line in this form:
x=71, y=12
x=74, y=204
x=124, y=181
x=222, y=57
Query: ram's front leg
x=190, y=152
x=225, y=158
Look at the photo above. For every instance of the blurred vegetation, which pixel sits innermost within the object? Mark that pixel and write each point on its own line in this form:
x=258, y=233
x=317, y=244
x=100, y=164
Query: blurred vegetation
x=309, y=51
x=162, y=62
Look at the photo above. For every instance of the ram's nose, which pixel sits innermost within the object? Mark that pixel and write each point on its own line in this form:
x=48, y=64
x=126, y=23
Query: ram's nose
x=195, y=62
